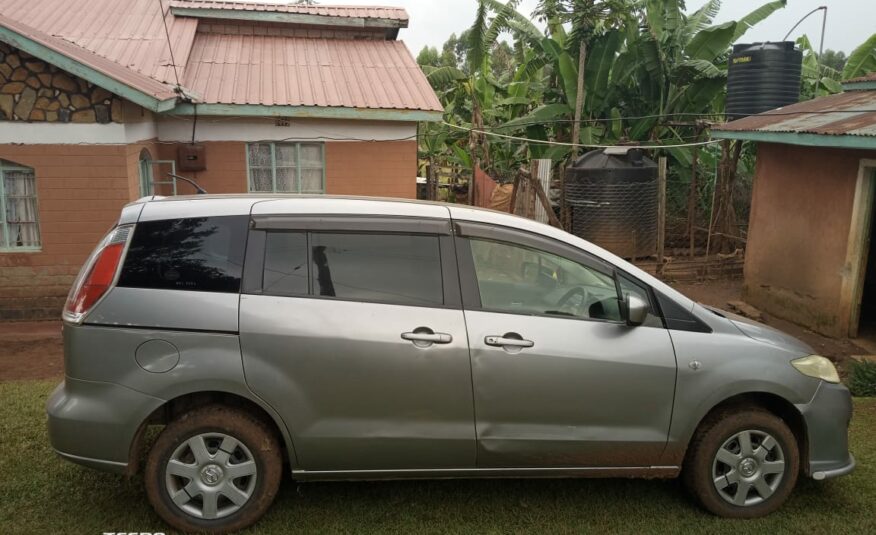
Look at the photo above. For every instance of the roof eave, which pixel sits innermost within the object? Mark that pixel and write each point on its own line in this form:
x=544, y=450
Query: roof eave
x=842, y=141
x=317, y=112
x=65, y=62
x=288, y=18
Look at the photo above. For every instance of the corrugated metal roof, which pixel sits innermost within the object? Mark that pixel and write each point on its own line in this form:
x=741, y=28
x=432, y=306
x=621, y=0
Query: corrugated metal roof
x=866, y=78
x=272, y=70
x=128, y=77
x=125, y=38
x=365, y=12
x=851, y=113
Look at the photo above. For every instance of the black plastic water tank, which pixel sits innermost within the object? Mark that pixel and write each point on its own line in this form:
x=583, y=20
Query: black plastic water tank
x=761, y=77
x=612, y=196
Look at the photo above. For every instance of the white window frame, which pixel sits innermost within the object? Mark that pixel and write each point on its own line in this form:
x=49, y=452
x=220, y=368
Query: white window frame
x=6, y=245
x=298, y=167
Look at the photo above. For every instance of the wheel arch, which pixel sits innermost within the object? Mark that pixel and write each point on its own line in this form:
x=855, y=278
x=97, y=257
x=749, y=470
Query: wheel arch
x=180, y=404
x=772, y=403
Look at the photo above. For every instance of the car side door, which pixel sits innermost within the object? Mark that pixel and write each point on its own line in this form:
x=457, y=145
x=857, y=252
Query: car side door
x=560, y=379
x=352, y=328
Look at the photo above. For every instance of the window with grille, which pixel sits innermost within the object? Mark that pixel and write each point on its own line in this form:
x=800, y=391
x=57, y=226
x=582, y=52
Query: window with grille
x=19, y=224
x=286, y=167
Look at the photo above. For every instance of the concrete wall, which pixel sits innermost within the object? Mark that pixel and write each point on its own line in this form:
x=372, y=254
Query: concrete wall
x=798, y=233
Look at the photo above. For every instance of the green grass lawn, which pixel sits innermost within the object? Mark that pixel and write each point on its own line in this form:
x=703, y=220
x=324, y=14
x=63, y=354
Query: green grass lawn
x=40, y=493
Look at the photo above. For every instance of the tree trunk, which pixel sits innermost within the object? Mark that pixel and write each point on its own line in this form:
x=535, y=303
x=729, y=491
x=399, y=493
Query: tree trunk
x=725, y=213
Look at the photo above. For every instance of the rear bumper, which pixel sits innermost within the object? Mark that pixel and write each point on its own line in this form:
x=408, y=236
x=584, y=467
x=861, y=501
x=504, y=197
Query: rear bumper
x=94, y=423
x=827, y=418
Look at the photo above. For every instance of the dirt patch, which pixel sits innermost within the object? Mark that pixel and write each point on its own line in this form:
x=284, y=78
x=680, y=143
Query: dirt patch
x=31, y=351
x=718, y=293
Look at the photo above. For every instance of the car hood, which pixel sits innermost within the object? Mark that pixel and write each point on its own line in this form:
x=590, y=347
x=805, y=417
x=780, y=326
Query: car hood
x=763, y=333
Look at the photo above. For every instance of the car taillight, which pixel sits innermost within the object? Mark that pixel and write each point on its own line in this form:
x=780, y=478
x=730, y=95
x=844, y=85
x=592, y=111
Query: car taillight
x=97, y=275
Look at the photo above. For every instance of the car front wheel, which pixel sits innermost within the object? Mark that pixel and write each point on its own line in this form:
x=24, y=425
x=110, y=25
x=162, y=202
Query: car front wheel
x=742, y=464
x=214, y=469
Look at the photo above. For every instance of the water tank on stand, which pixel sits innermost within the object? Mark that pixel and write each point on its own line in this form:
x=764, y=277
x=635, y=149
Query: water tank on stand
x=612, y=199
x=762, y=77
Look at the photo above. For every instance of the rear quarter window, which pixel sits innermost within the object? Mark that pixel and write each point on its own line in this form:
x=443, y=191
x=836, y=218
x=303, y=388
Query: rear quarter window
x=195, y=254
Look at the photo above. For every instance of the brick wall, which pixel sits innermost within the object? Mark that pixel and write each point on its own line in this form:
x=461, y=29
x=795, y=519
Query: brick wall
x=80, y=190
x=384, y=169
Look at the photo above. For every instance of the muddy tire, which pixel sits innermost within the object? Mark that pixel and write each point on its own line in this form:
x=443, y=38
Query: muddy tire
x=742, y=463
x=215, y=469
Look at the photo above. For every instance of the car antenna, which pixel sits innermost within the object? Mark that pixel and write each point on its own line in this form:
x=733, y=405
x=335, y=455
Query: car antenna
x=199, y=189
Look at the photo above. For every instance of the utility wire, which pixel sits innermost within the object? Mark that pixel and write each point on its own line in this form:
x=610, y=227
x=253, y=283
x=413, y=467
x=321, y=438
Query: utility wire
x=169, y=46
x=669, y=115
x=585, y=145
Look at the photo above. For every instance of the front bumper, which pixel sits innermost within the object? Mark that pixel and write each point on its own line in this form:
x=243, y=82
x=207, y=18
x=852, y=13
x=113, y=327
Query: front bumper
x=827, y=418
x=94, y=423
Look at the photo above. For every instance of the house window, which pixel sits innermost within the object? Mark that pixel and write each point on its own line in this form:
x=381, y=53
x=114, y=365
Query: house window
x=146, y=187
x=286, y=167
x=20, y=229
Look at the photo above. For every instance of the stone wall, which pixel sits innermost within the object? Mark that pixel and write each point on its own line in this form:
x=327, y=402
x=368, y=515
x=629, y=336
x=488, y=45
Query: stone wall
x=35, y=91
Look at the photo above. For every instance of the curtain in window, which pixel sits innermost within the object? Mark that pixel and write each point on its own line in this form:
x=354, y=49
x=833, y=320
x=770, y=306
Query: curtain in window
x=21, y=209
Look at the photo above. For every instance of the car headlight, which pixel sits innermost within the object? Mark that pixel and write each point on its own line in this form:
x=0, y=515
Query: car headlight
x=818, y=367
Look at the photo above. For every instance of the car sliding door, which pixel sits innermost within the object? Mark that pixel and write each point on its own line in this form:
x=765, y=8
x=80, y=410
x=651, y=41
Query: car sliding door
x=559, y=379
x=353, y=330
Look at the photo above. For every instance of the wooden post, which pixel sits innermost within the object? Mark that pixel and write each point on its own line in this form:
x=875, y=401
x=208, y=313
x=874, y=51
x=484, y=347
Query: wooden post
x=579, y=99
x=545, y=202
x=661, y=211
x=514, y=189
x=692, y=195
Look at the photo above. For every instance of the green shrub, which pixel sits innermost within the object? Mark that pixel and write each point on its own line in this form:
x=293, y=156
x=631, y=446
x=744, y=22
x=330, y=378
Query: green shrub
x=862, y=378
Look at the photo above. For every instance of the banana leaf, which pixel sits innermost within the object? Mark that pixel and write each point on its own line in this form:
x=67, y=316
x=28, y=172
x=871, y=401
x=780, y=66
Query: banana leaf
x=862, y=60
x=710, y=43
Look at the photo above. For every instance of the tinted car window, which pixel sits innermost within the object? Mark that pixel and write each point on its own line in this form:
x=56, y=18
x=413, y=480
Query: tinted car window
x=390, y=268
x=285, y=263
x=518, y=279
x=198, y=254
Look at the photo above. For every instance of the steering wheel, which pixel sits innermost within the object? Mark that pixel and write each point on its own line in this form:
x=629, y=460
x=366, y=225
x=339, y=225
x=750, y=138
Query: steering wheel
x=571, y=293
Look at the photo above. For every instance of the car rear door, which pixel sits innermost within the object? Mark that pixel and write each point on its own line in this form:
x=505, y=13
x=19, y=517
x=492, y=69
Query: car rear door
x=352, y=328
x=559, y=379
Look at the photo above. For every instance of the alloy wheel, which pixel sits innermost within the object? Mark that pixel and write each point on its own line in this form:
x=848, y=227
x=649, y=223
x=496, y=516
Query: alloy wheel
x=210, y=475
x=748, y=468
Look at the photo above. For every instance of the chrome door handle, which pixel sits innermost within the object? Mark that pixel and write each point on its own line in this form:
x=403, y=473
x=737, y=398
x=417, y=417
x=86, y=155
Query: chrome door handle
x=435, y=338
x=505, y=341
x=425, y=337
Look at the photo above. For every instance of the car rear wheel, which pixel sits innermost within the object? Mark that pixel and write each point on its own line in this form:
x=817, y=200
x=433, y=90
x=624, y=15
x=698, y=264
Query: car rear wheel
x=214, y=469
x=742, y=464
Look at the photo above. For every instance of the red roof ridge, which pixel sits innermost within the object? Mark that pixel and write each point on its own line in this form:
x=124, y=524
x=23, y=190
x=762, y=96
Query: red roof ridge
x=330, y=10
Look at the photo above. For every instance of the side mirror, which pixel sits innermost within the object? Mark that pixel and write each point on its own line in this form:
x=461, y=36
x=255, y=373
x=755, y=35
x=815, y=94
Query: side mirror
x=636, y=310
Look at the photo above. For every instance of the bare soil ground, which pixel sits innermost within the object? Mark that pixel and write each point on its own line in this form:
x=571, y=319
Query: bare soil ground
x=31, y=350
x=34, y=350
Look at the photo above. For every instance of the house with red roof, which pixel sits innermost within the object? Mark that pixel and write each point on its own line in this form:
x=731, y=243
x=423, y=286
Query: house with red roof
x=101, y=101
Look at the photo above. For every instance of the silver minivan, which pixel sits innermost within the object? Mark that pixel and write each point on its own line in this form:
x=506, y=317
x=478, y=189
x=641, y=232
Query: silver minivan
x=353, y=338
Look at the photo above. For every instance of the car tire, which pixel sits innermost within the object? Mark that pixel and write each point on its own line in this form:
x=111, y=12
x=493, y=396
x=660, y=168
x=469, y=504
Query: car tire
x=214, y=469
x=742, y=463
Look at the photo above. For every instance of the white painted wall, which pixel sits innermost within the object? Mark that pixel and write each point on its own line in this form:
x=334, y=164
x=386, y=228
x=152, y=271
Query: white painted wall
x=179, y=129
x=266, y=129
